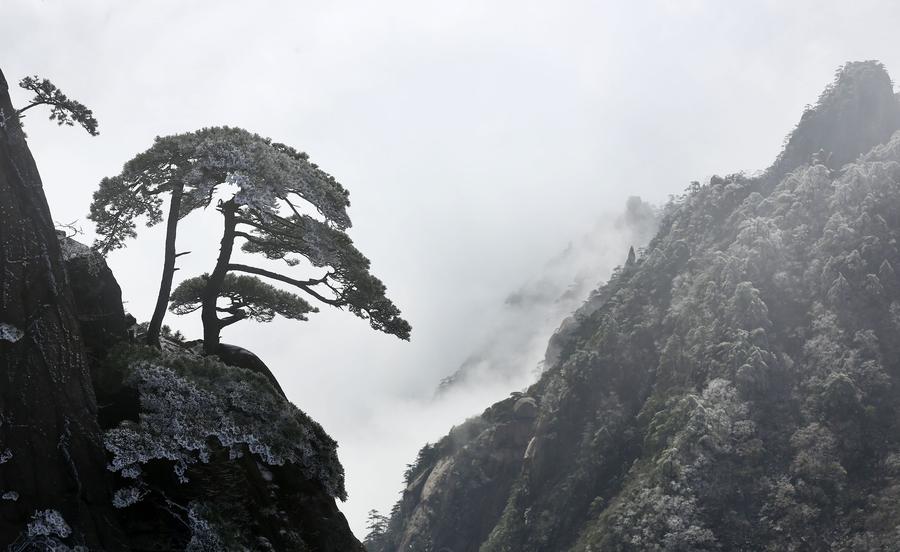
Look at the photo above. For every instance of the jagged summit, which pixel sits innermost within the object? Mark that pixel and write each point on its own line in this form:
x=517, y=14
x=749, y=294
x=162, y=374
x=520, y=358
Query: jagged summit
x=857, y=111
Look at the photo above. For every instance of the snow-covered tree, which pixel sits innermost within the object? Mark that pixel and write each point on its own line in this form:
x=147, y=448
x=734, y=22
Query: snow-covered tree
x=248, y=297
x=268, y=194
x=184, y=167
x=274, y=185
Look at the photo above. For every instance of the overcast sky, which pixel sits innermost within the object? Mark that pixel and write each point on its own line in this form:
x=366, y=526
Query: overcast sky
x=477, y=139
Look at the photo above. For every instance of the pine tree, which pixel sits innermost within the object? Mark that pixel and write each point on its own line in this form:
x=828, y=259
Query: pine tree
x=268, y=194
x=377, y=526
x=248, y=297
x=63, y=110
x=274, y=185
x=185, y=167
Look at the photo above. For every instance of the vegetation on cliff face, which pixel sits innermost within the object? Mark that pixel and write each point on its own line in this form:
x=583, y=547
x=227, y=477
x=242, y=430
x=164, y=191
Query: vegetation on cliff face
x=192, y=407
x=202, y=455
x=733, y=388
x=109, y=445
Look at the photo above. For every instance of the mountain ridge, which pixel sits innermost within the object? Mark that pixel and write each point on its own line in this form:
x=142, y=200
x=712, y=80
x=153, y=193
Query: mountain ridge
x=732, y=389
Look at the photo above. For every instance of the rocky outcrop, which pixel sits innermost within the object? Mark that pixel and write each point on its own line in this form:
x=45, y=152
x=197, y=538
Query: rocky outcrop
x=242, y=358
x=98, y=297
x=251, y=488
x=184, y=452
x=734, y=388
x=104, y=324
x=462, y=480
x=855, y=113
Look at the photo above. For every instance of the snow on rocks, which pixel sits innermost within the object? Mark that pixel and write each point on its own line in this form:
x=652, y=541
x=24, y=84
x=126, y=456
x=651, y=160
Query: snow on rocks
x=10, y=333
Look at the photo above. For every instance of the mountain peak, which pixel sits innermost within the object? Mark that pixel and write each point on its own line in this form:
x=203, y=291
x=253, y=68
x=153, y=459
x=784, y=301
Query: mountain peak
x=733, y=389
x=854, y=113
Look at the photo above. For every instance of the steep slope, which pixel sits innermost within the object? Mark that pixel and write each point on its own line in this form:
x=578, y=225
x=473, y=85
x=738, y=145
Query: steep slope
x=52, y=466
x=732, y=389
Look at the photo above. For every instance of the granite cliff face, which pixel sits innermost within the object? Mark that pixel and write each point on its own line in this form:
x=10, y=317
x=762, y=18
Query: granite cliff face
x=106, y=444
x=52, y=464
x=733, y=387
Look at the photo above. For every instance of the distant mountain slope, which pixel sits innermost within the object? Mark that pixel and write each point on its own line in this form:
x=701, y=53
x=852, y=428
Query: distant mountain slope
x=735, y=388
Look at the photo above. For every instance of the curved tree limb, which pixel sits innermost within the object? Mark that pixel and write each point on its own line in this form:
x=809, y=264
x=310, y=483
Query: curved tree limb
x=302, y=284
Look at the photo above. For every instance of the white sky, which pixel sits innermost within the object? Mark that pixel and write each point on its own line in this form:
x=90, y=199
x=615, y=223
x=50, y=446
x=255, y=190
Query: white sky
x=477, y=138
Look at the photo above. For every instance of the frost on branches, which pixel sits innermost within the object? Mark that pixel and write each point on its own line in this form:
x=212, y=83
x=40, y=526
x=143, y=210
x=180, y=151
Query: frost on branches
x=266, y=193
x=197, y=164
x=204, y=534
x=192, y=407
x=45, y=531
x=248, y=296
x=63, y=110
x=48, y=523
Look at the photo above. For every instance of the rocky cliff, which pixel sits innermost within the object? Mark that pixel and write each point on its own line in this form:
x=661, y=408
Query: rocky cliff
x=52, y=465
x=106, y=444
x=208, y=453
x=734, y=387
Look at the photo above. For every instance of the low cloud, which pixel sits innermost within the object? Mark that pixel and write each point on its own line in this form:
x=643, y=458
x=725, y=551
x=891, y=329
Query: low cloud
x=507, y=357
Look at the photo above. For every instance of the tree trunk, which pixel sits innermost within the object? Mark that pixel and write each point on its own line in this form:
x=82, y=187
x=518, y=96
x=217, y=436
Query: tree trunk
x=51, y=451
x=211, y=324
x=168, y=273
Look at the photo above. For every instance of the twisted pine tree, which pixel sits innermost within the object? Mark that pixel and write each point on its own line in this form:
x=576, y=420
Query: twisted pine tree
x=268, y=194
x=181, y=167
x=274, y=185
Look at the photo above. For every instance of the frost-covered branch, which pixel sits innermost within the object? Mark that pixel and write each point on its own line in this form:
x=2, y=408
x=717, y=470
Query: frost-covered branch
x=63, y=110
